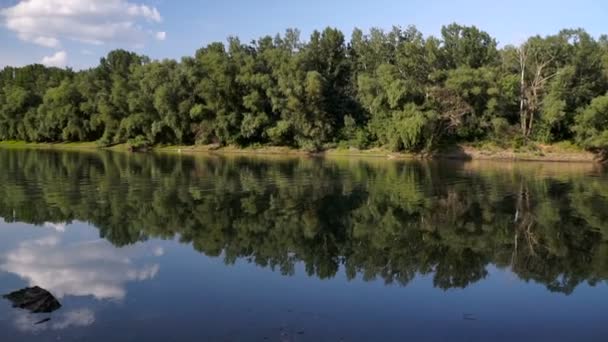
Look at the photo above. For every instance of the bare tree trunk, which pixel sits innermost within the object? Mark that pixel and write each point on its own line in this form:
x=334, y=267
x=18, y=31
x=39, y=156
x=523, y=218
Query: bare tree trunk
x=531, y=91
x=531, y=109
x=522, y=89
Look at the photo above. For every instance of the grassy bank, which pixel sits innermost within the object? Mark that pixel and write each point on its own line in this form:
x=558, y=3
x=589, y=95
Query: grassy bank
x=483, y=151
x=73, y=145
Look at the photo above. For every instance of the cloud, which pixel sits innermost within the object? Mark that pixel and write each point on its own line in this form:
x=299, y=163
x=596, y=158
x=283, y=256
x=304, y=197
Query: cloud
x=49, y=22
x=161, y=35
x=59, y=59
x=41, y=40
x=92, y=268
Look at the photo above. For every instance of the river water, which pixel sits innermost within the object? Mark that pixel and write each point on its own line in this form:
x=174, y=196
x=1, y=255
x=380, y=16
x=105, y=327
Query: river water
x=145, y=247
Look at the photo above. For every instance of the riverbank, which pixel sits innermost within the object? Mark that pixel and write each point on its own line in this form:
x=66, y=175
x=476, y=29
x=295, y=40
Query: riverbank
x=545, y=153
x=89, y=146
x=561, y=152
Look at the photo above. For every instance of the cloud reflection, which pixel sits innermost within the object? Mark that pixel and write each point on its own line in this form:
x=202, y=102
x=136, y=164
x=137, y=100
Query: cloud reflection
x=71, y=319
x=60, y=227
x=92, y=268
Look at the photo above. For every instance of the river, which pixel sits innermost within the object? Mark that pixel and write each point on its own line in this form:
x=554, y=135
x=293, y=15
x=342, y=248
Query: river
x=151, y=247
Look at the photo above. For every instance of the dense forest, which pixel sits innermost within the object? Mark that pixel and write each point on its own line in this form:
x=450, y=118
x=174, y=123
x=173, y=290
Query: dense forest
x=396, y=89
x=369, y=218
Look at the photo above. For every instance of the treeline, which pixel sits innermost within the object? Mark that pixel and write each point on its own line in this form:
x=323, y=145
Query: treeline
x=372, y=220
x=396, y=89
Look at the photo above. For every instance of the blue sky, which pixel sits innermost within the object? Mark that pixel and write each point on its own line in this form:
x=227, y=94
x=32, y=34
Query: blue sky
x=77, y=33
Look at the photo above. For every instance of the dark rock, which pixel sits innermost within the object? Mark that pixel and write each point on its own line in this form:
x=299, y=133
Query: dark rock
x=34, y=299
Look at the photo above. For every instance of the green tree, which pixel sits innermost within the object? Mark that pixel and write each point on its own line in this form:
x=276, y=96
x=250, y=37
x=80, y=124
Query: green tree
x=592, y=125
x=62, y=118
x=467, y=46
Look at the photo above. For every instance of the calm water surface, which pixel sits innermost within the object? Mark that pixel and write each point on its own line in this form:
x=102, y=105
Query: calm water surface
x=180, y=248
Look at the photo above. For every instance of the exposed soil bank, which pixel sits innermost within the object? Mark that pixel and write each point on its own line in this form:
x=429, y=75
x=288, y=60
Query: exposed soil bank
x=547, y=153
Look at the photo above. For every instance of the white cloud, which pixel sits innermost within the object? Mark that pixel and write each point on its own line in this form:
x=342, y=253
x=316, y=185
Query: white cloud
x=161, y=35
x=41, y=40
x=59, y=59
x=49, y=22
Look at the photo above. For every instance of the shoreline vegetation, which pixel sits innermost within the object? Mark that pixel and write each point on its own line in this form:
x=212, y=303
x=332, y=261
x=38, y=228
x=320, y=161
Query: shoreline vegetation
x=542, y=153
x=393, y=94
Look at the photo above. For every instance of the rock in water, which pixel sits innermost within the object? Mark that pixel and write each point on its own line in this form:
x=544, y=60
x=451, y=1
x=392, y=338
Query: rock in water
x=34, y=299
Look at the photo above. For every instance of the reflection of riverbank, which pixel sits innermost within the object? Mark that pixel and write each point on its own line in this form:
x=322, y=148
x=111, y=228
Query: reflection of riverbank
x=374, y=218
x=533, y=168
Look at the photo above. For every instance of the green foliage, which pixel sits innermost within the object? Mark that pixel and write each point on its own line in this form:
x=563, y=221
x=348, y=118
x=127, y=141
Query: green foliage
x=138, y=143
x=395, y=89
x=500, y=129
x=410, y=129
x=479, y=89
x=468, y=46
x=592, y=125
x=61, y=116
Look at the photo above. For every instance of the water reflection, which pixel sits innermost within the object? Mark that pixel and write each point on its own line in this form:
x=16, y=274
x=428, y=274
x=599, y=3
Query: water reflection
x=373, y=219
x=26, y=322
x=90, y=268
x=74, y=267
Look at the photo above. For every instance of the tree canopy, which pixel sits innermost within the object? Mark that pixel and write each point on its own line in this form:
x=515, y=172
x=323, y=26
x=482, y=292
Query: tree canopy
x=395, y=89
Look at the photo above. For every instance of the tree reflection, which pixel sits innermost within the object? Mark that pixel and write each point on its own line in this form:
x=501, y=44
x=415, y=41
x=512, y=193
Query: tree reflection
x=374, y=219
